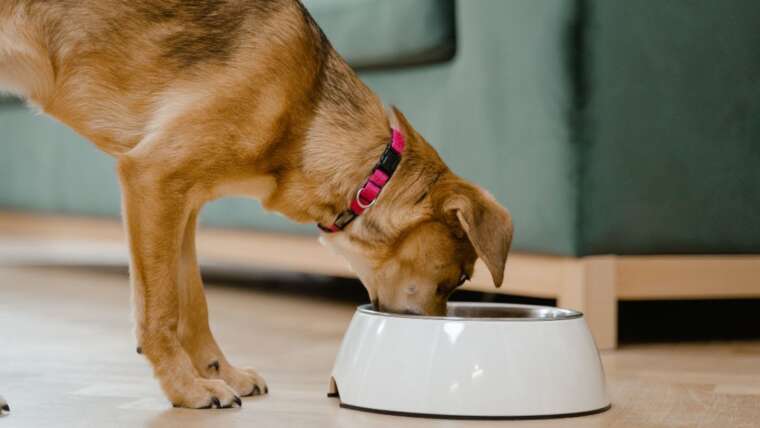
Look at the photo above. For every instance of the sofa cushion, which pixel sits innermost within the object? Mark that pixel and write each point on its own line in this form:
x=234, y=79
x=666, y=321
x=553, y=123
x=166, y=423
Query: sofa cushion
x=383, y=33
x=672, y=160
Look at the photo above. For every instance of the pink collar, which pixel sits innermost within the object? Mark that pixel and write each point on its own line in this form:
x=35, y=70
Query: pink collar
x=368, y=193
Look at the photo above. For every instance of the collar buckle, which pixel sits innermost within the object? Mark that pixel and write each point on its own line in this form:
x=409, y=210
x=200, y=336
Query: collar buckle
x=359, y=199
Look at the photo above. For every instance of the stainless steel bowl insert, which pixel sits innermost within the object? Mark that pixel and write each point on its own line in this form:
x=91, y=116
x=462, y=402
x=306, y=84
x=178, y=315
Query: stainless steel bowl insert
x=474, y=311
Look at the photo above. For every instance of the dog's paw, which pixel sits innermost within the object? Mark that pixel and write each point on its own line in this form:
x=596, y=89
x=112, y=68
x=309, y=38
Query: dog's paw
x=245, y=381
x=206, y=394
x=248, y=381
x=4, y=407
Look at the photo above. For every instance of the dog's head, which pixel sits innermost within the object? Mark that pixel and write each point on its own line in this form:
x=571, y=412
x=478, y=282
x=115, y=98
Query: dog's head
x=413, y=249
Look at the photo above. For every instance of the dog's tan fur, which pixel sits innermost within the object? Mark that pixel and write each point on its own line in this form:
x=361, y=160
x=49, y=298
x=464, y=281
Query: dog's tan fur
x=200, y=99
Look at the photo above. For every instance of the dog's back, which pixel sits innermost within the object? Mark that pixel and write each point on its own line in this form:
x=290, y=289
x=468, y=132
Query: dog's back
x=115, y=70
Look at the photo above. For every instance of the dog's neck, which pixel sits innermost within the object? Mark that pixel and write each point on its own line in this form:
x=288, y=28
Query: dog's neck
x=335, y=151
x=358, y=153
x=357, y=148
x=344, y=139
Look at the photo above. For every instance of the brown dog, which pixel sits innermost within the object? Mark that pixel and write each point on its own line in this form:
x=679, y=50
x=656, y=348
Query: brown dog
x=200, y=99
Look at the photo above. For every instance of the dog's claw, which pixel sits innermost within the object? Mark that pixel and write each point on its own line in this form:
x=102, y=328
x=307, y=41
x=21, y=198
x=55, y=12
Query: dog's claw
x=266, y=390
x=215, y=403
x=238, y=401
x=255, y=391
x=6, y=408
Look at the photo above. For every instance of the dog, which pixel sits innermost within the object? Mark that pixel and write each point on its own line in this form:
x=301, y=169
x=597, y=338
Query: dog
x=201, y=99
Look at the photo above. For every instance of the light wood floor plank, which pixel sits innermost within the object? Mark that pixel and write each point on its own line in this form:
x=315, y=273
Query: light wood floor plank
x=67, y=359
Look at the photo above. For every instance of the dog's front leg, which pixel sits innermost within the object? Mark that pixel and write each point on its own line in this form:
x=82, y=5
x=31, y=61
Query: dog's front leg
x=194, y=331
x=157, y=199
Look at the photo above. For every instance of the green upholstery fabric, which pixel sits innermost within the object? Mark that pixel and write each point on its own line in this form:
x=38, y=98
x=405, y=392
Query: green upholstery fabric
x=44, y=166
x=671, y=158
x=497, y=111
x=665, y=157
x=382, y=33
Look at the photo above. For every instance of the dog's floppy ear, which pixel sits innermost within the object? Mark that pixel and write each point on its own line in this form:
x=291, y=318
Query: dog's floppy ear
x=487, y=225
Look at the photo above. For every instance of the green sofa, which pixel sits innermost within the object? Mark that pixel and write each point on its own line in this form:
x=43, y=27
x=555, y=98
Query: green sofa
x=607, y=127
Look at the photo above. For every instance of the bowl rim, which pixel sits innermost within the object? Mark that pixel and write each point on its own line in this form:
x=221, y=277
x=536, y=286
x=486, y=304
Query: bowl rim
x=564, y=314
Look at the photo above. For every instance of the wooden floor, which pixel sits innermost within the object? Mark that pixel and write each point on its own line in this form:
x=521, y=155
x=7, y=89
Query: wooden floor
x=67, y=359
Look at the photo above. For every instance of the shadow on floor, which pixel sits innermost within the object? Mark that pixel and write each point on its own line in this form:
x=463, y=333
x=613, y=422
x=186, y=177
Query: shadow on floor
x=688, y=320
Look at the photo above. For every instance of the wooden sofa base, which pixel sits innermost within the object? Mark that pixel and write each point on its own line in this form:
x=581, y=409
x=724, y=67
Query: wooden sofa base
x=592, y=284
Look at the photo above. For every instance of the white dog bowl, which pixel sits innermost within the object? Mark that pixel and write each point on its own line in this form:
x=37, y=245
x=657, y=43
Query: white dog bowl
x=483, y=360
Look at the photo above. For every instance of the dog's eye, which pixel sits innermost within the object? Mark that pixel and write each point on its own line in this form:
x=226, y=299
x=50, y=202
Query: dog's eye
x=446, y=288
x=462, y=279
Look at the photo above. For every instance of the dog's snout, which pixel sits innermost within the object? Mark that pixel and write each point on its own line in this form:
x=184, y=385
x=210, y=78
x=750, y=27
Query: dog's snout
x=381, y=308
x=399, y=311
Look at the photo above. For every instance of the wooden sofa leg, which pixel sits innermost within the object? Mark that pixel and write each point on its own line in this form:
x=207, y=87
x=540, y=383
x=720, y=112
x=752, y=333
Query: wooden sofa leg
x=589, y=287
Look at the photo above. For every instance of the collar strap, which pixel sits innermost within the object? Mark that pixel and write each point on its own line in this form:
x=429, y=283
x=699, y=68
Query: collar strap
x=369, y=192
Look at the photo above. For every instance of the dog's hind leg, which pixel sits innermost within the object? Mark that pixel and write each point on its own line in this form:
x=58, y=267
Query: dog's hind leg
x=194, y=332
x=158, y=203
